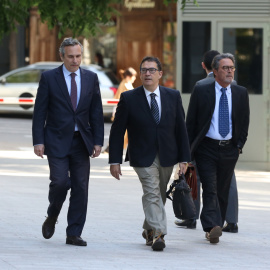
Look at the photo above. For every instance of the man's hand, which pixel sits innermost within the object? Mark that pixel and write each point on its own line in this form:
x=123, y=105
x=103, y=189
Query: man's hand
x=116, y=171
x=182, y=168
x=39, y=150
x=96, y=151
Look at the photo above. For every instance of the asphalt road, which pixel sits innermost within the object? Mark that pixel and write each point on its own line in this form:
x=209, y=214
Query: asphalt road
x=114, y=219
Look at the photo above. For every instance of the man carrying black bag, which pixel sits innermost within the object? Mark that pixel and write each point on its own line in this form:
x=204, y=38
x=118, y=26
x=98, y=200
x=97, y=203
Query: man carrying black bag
x=154, y=117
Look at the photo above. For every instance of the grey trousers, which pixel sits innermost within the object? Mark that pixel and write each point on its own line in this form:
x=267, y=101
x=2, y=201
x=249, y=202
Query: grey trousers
x=232, y=209
x=154, y=180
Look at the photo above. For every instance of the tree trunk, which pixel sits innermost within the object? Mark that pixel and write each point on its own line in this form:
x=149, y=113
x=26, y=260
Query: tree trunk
x=13, y=63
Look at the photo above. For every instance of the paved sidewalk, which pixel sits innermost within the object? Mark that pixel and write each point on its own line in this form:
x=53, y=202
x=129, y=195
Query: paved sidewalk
x=113, y=228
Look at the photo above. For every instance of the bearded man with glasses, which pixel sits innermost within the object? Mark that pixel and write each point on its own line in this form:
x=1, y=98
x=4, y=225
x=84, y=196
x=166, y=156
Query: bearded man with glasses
x=154, y=118
x=217, y=124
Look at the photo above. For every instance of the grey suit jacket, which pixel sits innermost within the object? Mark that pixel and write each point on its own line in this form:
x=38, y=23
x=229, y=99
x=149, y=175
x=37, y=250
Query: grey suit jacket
x=210, y=78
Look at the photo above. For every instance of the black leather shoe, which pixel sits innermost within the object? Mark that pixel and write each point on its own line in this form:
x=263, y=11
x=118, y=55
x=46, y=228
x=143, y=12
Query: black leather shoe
x=158, y=243
x=189, y=223
x=76, y=241
x=48, y=227
x=230, y=227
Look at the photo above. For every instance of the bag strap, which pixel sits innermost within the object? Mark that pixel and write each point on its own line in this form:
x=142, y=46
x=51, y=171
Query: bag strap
x=169, y=193
x=191, y=178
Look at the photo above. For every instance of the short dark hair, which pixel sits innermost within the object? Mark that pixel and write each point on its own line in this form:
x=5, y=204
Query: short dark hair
x=152, y=59
x=217, y=58
x=69, y=42
x=208, y=58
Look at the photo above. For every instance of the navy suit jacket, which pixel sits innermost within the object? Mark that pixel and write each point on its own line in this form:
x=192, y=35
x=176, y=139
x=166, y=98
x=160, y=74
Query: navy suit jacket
x=54, y=118
x=146, y=139
x=201, y=108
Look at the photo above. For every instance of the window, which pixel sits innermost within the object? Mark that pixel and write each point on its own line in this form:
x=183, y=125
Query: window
x=196, y=41
x=26, y=76
x=246, y=45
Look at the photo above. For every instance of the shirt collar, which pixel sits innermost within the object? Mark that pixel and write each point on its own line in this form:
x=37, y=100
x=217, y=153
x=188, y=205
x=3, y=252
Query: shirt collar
x=148, y=93
x=218, y=87
x=67, y=73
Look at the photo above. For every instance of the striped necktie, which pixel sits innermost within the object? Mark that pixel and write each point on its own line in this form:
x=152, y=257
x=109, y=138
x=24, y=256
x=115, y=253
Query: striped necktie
x=154, y=108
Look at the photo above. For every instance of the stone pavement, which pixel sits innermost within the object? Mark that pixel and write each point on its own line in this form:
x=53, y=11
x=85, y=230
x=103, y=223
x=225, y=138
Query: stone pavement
x=113, y=228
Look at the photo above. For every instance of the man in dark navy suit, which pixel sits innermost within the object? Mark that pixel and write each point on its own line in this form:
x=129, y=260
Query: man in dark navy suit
x=68, y=127
x=154, y=118
x=232, y=209
x=217, y=124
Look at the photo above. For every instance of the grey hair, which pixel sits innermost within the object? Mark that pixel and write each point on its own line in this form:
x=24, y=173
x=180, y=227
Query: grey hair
x=69, y=42
x=217, y=58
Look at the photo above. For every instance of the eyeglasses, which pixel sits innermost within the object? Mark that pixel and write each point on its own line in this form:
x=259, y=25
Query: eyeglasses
x=151, y=70
x=227, y=68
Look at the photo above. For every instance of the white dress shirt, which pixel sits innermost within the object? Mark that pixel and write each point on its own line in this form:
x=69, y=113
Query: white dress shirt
x=213, y=130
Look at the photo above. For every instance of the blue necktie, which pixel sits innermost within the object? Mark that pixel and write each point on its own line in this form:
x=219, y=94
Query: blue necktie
x=73, y=92
x=223, y=114
x=154, y=108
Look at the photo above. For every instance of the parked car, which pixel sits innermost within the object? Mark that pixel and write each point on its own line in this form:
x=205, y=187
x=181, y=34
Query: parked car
x=18, y=87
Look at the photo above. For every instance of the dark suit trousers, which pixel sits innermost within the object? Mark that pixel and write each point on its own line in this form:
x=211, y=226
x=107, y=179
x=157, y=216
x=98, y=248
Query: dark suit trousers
x=215, y=166
x=70, y=172
x=232, y=209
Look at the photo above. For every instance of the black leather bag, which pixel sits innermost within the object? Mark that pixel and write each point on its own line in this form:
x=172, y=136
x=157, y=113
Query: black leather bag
x=182, y=201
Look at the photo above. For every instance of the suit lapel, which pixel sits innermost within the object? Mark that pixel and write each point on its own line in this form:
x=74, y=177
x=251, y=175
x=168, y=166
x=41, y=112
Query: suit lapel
x=211, y=96
x=84, y=83
x=143, y=103
x=62, y=84
x=234, y=101
x=164, y=103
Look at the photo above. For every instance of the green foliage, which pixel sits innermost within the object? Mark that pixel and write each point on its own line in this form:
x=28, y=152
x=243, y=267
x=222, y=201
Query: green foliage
x=75, y=15
x=78, y=16
x=11, y=13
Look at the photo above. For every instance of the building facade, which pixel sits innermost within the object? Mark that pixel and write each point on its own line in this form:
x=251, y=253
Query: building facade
x=241, y=27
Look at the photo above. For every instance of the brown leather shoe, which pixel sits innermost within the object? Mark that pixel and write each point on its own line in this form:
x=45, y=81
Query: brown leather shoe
x=48, y=227
x=76, y=241
x=158, y=243
x=213, y=235
x=148, y=235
